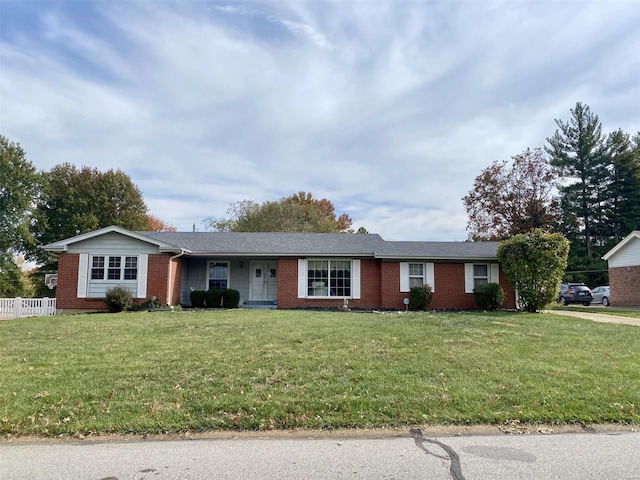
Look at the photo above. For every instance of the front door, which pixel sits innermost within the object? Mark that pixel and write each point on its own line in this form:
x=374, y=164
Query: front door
x=264, y=281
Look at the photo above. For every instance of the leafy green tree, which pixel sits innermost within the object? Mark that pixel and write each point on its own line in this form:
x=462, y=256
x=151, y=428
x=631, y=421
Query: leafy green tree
x=298, y=213
x=78, y=200
x=14, y=281
x=507, y=200
x=534, y=264
x=577, y=151
x=19, y=186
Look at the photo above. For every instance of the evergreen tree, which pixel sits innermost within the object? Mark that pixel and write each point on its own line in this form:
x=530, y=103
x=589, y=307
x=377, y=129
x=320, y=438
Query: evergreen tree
x=621, y=206
x=577, y=151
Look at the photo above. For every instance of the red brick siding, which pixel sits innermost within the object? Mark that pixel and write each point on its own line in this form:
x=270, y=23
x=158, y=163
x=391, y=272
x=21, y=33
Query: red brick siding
x=380, y=287
x=288, y=287
x=624, y=286
x=67, y=289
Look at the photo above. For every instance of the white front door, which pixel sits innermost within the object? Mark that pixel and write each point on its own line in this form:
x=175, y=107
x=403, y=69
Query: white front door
x=264, y=281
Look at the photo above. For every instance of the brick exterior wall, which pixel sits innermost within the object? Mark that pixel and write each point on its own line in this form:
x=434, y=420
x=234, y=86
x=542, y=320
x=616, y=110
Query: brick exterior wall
x=157, y=270
x=380, y=288
x=624, y=283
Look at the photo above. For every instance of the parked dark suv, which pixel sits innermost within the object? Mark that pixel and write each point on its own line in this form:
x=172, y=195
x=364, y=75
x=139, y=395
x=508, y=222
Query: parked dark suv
x=575, y=293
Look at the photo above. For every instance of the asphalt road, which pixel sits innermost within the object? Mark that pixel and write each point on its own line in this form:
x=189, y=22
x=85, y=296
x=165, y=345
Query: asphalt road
x=583, y=456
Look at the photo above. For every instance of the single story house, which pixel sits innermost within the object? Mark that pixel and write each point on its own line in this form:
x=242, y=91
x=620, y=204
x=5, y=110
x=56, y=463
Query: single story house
x=624, y=271
x=290, y=270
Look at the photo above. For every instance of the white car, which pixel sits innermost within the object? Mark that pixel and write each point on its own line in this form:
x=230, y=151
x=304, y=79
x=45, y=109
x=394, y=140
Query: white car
x=602, y=295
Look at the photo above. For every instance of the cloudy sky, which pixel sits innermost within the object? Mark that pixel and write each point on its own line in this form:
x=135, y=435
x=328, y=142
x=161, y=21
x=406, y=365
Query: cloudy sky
x=388, y=109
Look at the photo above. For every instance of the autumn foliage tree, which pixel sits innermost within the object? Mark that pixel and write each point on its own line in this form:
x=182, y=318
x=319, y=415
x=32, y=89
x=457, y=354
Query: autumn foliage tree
x=507, y=200
x=154, y=224
x=300, y=212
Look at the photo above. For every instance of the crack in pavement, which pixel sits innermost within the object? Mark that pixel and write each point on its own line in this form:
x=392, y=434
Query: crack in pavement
x=455, y=468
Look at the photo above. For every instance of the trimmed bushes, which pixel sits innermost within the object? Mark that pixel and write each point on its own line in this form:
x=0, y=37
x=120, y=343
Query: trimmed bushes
x=420, y=297
x=213, y=298
x=118, y=299
x=489, y=296
x=197, y=298
x=230, y=298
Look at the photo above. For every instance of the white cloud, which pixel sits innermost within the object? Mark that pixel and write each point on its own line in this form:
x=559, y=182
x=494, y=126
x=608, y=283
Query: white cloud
x=388, y=109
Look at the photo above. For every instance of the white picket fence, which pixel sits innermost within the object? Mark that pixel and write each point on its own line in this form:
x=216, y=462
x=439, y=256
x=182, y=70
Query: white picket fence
x=27, y=307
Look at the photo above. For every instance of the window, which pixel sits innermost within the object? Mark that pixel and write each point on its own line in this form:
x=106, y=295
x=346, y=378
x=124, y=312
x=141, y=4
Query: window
x=329, y=278
x=97, y=268
x=113, y=272
x=219, y=275
x=117, y=267
x=416, y=274
x=480, y=275
x=131, y=268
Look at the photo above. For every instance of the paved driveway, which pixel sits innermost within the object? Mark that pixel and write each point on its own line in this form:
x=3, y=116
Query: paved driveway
x=597, y=317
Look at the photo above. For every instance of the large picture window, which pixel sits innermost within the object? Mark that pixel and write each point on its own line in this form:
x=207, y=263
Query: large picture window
x=114, y=267
x=329, y=278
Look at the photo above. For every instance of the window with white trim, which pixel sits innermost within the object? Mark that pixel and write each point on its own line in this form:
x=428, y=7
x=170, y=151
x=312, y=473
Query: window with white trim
x=329, y=278
x=416, y=275
x=114, y=267
x=480, y=274
x=219, y=275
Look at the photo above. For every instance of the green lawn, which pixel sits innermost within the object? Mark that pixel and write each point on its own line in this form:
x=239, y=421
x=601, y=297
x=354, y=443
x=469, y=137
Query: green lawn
x=622, y=312
x=260, y=370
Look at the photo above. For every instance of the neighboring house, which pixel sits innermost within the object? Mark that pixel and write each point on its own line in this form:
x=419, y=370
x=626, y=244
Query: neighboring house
x=624, y=271
x=292, y=270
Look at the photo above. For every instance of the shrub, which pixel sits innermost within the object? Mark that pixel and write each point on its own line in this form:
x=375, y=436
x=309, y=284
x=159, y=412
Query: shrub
x=213, y=298
x=197, y=298
x=118, y=299
x=420, y=297
x=534, y=264
x=230, y=298
x=149, y=304
x=489, y=296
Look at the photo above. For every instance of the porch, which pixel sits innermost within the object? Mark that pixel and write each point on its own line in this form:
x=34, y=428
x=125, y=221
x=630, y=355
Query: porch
x=255, y=278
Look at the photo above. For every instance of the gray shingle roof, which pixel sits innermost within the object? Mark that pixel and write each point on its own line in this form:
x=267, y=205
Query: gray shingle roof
x=297, y=244
x=259, y=243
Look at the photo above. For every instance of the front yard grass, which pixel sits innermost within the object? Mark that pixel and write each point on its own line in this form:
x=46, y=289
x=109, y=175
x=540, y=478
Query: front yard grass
x=185, y=371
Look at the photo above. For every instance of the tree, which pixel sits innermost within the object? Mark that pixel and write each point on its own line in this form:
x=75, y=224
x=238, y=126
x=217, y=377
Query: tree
x=534, y=264
x=577, y=152
x=507, y=201
x=154, y=224
x=19, y=185
x=298, y=213
x=76, y=201
x=621, y=202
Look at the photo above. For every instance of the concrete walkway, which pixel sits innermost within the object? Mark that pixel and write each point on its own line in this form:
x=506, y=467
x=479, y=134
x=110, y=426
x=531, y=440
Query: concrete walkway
x=597, y=317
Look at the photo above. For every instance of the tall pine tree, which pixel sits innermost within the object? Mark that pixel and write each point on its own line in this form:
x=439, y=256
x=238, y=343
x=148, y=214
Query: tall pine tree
x=577, y=151
x=621, y=207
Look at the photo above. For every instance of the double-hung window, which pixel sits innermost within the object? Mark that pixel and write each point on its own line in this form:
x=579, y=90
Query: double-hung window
x=416, y=275
x=480, y=274
x=329, y=278
x=114, y=267
x=219, y=275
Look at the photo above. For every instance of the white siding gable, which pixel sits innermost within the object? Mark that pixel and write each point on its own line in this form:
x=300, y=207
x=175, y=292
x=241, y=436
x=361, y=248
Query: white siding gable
x=627, y=256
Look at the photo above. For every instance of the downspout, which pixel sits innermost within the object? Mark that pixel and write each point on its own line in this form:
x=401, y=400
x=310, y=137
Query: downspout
x=169, y=282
